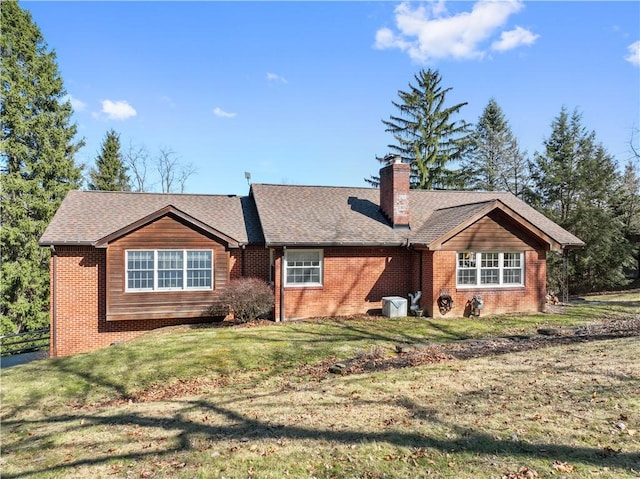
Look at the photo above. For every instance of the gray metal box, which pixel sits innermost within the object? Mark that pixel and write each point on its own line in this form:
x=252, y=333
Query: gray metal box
x=394, y=306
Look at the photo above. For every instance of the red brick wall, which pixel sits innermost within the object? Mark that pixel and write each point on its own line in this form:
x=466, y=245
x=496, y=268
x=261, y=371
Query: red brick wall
x=530, y=298
x=78, y=322
x=251, y=262
x=354, y=282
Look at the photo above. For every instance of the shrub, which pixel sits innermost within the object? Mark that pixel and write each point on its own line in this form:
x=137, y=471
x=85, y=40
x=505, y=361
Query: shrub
x=247, y=298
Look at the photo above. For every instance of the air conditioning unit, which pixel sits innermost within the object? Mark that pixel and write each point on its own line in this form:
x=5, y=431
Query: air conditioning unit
x=394, y=306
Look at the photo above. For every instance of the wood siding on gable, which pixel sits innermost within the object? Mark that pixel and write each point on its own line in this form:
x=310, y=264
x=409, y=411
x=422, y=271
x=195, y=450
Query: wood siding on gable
x=494, y=232
x=164, y=233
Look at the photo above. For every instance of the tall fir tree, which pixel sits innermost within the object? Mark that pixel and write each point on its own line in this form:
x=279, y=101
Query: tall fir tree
x=494, y=161
x=628, y=207
x=576, y=184
x=426, y=134
x=109, y=173
x=36, y=164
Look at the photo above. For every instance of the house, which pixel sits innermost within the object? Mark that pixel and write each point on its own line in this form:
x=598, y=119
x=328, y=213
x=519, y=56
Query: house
x=124, y=263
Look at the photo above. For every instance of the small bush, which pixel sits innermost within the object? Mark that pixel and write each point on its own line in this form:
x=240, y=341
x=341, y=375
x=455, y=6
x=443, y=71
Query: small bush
x=247, y=298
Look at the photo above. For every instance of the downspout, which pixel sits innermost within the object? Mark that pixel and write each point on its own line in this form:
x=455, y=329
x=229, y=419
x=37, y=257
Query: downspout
x=420, y=270
x=282, y=277
x=53, y=348
x=243, y=270
x=565, y=275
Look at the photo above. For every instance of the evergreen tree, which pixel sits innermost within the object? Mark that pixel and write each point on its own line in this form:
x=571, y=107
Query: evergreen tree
x=576, y=184
x=110, y=173
x=494, y=161
x=426, y=134
x=36, y=164
x=628, y=208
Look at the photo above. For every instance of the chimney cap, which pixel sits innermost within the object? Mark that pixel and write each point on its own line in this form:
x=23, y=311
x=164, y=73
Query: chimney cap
x=393, y=158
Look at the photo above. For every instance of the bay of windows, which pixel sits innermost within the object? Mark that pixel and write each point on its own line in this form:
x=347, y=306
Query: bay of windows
x=490, y=269
x=169, y=270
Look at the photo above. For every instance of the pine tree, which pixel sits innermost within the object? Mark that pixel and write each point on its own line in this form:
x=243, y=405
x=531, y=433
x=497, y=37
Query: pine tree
x=426, y=134
x=494, y=161
x=110, y=173
x=575, y=183
x=36, y=164
x=628, y=208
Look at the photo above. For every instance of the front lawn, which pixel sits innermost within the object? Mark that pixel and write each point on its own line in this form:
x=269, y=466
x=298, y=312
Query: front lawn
x=244, y=402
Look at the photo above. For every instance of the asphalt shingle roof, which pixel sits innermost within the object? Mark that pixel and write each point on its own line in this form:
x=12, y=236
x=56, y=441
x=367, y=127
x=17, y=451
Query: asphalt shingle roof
x=351, y=216
x=290, y=215
x=87, y=216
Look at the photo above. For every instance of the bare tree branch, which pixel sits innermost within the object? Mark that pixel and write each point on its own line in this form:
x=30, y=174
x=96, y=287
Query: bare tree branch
x=136, y=158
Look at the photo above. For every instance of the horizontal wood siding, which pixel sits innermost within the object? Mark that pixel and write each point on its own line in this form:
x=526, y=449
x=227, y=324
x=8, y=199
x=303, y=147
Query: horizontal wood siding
x=165, y=233
x=495, y=232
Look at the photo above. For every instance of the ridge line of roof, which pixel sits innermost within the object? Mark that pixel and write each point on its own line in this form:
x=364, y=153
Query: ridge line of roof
x=156, y=193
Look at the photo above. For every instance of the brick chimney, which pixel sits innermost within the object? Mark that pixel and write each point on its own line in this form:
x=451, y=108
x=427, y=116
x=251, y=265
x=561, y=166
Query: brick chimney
x=394, y=192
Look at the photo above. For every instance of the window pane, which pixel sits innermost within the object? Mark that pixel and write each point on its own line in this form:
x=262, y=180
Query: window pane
x=467, y=276
x=466, y=260
x=490, y=276
x=512, y=260
x=490, y=260
x=170, y=269
x=140, y=269
x=303, y=267
x=199, y=269
x=512, y=276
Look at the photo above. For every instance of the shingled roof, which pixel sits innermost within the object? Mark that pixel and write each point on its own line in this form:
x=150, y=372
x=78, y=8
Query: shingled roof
x=86, y=217
x=323, y=215
x=274, y=215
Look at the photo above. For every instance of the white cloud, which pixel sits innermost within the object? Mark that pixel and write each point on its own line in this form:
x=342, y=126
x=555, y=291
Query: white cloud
x=514, y=38
x=76, y=104
x=217, y=111
x=634, y=53
x=116, y=110
x=429, y=32
x=276, y=77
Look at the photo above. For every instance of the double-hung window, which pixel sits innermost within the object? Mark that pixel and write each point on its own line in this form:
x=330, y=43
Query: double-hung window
x=490, y=269
x=169, y=270
x=303, y=267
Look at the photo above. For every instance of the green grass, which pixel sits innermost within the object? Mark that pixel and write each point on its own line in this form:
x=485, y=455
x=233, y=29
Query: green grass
x=244, y=409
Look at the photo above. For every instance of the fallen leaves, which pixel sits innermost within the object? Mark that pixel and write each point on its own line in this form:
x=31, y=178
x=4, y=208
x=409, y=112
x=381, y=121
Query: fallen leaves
x=562, y=466
x=522, y=473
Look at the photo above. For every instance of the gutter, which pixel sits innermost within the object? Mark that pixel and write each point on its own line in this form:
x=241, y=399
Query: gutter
x=401, y=243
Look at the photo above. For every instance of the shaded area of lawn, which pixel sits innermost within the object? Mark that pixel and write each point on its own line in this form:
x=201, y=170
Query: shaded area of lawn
x=256, y=353
x=455, y=419
x=243, y=402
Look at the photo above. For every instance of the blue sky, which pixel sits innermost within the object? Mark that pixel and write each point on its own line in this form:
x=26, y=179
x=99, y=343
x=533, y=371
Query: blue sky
x=295, y=92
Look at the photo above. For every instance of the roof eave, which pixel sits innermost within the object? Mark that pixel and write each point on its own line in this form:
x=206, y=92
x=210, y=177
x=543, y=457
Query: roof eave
x=44, y=243
x=167, y=210
x=327, y=244
x=554, y=245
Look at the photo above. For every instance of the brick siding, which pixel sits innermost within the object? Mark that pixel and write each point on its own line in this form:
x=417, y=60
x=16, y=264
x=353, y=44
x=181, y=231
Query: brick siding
x=354, y=282
x=528, y=299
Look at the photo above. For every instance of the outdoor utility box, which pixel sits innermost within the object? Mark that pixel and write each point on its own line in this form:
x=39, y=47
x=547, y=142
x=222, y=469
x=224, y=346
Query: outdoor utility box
x=394, y=306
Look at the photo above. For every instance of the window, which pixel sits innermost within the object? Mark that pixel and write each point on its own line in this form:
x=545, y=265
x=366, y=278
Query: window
x=490, y=269
x=303, y=267
x=166, y=270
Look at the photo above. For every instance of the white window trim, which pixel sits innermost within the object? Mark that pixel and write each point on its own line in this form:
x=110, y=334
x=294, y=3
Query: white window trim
x=309, y=284
x=155, y=288
x=478, y=269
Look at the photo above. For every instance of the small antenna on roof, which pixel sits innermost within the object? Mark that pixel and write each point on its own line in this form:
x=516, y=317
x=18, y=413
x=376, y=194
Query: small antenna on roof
x=247, y=175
